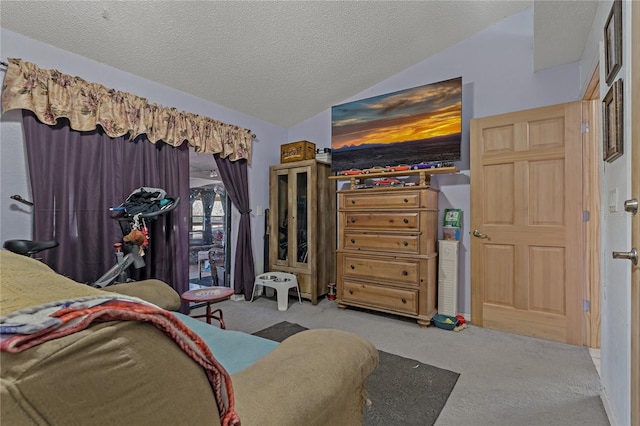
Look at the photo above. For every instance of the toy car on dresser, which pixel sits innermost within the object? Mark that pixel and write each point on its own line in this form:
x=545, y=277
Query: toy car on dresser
x=398, y=168
x=431, y=165
x=350, y=172
x=388, y=181
x=423, y=165
x=375, y=169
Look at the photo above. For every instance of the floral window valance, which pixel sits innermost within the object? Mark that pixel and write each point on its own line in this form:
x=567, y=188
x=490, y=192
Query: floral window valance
x=51, y=94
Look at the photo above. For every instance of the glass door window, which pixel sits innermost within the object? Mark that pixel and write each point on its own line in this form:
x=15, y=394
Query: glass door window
x=283, y=215
x=210, y=224
x=301, y=247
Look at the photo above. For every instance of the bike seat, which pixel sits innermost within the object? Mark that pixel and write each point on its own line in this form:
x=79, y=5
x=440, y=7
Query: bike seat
x=28, y=247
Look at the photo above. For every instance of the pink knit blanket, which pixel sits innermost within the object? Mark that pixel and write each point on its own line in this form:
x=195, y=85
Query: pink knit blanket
x=73, y=317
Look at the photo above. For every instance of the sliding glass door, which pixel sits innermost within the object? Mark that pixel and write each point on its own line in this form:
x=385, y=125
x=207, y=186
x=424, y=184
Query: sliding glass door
x=210, y=224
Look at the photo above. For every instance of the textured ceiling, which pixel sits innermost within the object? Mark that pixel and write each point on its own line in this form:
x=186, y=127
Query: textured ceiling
x=283, y=62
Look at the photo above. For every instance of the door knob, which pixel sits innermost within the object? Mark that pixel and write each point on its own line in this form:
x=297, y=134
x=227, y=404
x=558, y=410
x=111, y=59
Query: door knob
x=631, y=206
x=631, y=255
x=479, y=234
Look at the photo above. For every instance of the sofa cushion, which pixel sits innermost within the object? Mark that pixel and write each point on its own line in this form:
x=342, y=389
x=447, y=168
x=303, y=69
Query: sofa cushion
x=153, y=291
x=28, y=282
x=315, y=378
x=233, y=349
x=35, y=283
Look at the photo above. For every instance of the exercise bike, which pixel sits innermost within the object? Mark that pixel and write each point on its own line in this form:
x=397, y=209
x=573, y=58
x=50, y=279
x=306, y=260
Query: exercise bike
x=139, y=208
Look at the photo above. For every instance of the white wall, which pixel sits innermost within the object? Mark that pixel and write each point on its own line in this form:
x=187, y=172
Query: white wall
x=15, y=219
x=615, y=353
x=496, y=66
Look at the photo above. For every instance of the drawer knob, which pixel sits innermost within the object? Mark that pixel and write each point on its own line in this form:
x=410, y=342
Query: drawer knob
x=350, y=291
x=353, y=220
x=353, y=267
x=406, y=220
x=404, y=300
x=353, y=201
x=404, y=243
x=405, y=273
x=406, y=201
x=353, y=241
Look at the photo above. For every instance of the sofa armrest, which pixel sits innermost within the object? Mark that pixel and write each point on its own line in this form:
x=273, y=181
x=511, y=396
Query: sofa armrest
x=153, y=291
x=315, y=377
x=112, y=373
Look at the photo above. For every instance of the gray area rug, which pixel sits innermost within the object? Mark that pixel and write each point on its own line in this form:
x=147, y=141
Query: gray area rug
x=402, y=391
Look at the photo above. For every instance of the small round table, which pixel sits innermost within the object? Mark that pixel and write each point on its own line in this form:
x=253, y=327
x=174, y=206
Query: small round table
x=209, y=295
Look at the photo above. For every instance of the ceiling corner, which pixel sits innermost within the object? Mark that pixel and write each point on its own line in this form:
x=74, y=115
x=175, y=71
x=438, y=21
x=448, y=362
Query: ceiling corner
x=553, y=45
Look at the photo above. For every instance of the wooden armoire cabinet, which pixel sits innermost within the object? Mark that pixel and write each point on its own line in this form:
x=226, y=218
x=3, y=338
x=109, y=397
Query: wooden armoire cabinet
x=302, y=229
x=386, y=258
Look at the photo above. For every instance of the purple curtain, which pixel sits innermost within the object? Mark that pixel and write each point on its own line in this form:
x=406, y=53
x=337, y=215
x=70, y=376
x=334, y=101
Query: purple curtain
x=235, y=179
x=77, y=176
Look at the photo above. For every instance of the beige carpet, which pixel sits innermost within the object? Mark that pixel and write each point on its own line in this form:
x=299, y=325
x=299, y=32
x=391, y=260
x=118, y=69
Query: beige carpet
x=505, y=379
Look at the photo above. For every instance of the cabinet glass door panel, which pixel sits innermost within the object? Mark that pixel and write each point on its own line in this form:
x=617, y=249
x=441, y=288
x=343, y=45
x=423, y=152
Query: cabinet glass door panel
x=282, y=220
x=301, y=205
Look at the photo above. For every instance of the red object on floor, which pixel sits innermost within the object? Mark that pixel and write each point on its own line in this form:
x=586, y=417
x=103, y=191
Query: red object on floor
x=209, y=295
x=461, y=319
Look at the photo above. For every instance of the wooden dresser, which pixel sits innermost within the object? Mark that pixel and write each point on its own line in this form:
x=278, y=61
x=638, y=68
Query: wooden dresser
x=386, y=257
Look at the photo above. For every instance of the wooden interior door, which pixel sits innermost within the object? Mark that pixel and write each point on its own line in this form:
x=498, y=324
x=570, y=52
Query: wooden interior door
x=526, y=221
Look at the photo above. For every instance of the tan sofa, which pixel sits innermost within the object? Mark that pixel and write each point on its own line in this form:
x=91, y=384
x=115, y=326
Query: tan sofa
x=129, y=372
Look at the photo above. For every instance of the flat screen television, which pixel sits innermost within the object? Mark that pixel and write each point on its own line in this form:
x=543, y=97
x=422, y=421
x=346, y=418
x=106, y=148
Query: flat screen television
x=421, y=124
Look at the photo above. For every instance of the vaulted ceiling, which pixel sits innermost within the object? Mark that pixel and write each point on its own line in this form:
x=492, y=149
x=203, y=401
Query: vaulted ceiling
x=283, y=61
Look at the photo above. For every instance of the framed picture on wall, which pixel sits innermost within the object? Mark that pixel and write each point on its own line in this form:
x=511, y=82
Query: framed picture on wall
x=613, y=41
x=612, y=118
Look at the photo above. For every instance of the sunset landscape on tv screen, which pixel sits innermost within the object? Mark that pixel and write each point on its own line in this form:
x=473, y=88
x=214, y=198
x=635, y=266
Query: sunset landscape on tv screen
x=421, y=124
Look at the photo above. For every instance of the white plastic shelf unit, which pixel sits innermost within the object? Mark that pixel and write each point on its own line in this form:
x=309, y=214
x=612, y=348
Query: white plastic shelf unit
x=448, y=277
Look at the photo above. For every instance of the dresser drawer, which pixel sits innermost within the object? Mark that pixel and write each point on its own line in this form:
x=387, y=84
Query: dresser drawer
x=398, y=243
x=386, y=200
x=392, y=198
x=381, y=220
x=396, y=299
x=397, y=270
